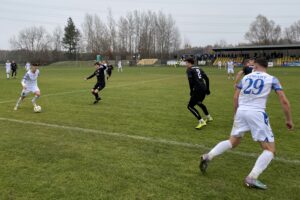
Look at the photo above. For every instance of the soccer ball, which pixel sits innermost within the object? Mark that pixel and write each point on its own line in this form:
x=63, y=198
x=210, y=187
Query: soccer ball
x=37, y=109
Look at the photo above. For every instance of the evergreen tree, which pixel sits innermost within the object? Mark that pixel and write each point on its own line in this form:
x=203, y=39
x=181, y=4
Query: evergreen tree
x=71, y=38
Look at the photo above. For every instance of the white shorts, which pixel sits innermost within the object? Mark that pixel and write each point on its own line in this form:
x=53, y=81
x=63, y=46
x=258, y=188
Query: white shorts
x=29, y=90
x=230, y=71
x=8, y=71
x=255, y=121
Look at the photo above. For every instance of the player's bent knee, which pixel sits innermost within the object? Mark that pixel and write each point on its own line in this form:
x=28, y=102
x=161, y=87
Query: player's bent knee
x=269, y=146
x=235, y=141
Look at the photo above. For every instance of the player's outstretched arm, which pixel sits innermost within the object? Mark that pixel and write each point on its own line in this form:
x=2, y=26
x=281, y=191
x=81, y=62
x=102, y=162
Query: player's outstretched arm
x=91, y=76
x=285, y=104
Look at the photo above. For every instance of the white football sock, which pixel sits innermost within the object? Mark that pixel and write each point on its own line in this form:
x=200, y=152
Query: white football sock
x=261, y=164
x=19, y=102
x=219, y=149
x=7, y=75
x=201, y=121
x=34, y=100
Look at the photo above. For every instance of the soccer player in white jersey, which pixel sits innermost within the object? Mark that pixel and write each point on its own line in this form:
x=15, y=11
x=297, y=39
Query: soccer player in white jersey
x=27, y=66
x=8, y=68
x=250, y=103
x=29, y=84
x=230, y=69
x=120, y=67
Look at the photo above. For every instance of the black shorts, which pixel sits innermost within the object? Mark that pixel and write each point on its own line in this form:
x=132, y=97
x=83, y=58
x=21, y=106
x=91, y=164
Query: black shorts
x=197, y=97
x=99, y=86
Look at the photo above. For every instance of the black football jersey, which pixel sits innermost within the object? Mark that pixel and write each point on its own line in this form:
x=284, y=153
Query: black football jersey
x=198, y=80
x=99, y=73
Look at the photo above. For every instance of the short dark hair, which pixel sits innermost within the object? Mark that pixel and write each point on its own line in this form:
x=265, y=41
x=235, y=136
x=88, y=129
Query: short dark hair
x=190, y=60
x=262, y=62
x=35, y=64
x=97, y=63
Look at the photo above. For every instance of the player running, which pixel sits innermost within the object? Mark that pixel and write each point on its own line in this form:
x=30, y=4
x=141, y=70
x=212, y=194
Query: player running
x=250, y=103
x=29, y=84
x=100, y=85
x=8, y=68
x=247, y=69
x=199, y=88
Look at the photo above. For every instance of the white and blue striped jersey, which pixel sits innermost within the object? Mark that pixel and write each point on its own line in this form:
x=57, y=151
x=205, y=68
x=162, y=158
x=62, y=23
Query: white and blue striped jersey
x=30, y=79
x=255, y=89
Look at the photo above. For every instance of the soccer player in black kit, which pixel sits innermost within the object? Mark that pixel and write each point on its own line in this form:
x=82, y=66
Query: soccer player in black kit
x=109, y=71
x=14, y=68
x=199, y=88
x=100, y=85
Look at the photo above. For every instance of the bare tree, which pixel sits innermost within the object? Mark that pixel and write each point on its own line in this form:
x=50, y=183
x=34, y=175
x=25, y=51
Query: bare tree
x=263, y=31
x=31, y=39
x=89, y=32
x=147, y=33
x=111, y=25
x=123, y=34
x=292, y=33
x=56, y=38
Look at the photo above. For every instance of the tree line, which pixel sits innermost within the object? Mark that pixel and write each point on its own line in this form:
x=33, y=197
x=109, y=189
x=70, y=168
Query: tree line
x=145, y=34
x=263, y=31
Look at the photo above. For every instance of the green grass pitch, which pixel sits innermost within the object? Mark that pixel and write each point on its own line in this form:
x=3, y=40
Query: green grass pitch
x=139, y=142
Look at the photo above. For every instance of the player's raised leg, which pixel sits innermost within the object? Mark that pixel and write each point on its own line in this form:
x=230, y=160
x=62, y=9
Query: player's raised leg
x=219, y=149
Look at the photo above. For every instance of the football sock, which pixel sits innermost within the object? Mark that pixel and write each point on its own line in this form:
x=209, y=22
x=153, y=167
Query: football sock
x=19, y=101
x=195, y=112
x=96, y=96
x=7, y=75
x=219, y=149
x=34, y=100
x=261, y=164
x=201, y=121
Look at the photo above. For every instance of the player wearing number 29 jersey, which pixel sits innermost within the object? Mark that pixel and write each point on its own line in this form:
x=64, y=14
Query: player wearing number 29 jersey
x=250, y=102
x=255, y=89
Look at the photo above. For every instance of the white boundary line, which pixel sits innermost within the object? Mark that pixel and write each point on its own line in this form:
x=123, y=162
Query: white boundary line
x=143, y=138
x=87, y=90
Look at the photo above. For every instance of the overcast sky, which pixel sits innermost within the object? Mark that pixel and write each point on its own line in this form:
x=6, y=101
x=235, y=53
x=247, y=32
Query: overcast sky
x=201, y=22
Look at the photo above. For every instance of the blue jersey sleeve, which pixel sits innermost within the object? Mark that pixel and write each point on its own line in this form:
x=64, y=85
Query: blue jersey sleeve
x=276, y=84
